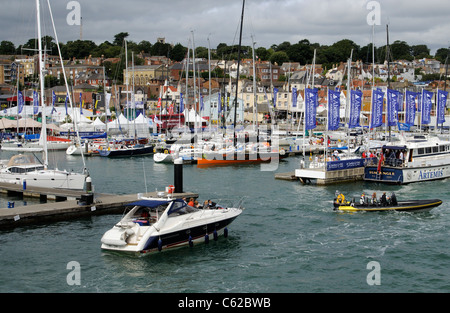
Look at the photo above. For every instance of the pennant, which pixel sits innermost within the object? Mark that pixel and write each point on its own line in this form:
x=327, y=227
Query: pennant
x=410, y=108
x=426, y=106
x=159, y=102
x=334, y=100
x=392, y=107
x=355, y=108
x=65, y=103
x=201, y=102
x=81, y=104
x=20, y=102
x=441, y=104
x=219, y=105
x=377, y=108
x=275, y=93
x=294, y=97
x=181, y=104
x=310, y=108
x=35, y=103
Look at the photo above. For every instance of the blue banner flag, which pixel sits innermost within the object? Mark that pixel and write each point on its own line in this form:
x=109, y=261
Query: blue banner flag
x=392, y=107
x=35, y=102
x=20, y=102
x=201, y=102
x=410, y=108
x=334, y=103
x=65, y=104
x=426, y=106
x=355, y=108
x=219, y=104
x=294, y=97
x=81, y=103
x=310, y=108
x=377, y=108
x=441, y=104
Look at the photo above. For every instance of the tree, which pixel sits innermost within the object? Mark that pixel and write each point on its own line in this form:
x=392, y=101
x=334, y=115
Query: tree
x=279, y=57
x=7, y=47
x=420, y=51
x=301, y=52
x=119, y=38
x=178, y=53
x=441, y=54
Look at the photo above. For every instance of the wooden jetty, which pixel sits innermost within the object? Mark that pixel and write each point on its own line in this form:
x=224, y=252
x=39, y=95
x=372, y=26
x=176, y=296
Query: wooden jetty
x=68, y=204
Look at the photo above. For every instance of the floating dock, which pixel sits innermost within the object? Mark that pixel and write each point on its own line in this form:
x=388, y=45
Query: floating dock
x=68, y=205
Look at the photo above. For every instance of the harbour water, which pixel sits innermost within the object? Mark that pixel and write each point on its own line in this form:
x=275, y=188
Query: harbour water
x=288, y=239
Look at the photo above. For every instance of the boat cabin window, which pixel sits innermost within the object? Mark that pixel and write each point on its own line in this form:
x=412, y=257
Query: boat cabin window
x=180, y=208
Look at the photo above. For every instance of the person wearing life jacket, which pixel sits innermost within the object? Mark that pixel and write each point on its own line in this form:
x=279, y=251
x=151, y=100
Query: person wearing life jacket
x=362, y=200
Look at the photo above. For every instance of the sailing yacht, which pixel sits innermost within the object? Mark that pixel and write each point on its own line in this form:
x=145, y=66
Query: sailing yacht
x=26, y=170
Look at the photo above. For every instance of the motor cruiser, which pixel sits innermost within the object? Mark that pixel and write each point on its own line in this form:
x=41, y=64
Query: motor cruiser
x=155, y=224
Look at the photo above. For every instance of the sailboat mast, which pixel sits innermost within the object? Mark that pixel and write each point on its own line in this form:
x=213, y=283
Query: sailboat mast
x=41, y=83
x=237, y=75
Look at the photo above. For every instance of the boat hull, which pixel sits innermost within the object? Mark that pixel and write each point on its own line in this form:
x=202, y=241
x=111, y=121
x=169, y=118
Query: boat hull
x=46, y=179
x=393, y=175
x=239, y=158
x=111, y=153
x=403, y=206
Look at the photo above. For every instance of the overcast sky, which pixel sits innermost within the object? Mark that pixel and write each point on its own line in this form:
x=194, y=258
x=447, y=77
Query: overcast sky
x=268, y=21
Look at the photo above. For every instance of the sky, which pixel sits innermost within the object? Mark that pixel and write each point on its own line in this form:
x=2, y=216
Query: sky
x=268, y=22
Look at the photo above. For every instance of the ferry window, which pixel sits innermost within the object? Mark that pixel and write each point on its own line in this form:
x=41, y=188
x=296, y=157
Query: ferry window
x=420, y=151
x=441, y=148
x=435, y=149
x=428, y=150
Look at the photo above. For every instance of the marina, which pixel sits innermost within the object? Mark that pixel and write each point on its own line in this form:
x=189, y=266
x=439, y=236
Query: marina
x=202, y=193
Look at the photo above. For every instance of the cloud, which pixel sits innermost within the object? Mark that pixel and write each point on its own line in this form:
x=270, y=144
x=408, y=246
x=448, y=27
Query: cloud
x=268, y=21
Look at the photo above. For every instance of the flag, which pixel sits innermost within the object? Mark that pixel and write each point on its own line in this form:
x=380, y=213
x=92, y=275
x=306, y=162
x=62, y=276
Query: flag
x=181, y=104
x=380, y=162
x=310, y=108
x=159, y=102
x=410, y=108
x=275, y=93
x=355, y=108
x=334, y=99
x=377, y=108
x=392, y=107
x=294, y=97
x=426, y=106
x=81, y=104
x=53, y=102
x=441, y=104
x=171, y=109
x=219, y=105
x=19, y=102
x=201, y=102
x=65, y=103
x=35, y=102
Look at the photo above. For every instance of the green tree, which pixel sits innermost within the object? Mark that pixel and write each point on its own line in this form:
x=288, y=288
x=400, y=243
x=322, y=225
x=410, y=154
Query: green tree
x=178, y=52
x=279, y=57
x=7, y=47
x=119, y=38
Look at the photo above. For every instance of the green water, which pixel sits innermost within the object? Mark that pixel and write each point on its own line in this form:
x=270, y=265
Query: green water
x=288, y=239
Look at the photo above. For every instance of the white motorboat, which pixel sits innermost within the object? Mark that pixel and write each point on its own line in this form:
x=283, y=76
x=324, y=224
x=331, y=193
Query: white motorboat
x=24, y=169
x=155, y=224
x=411, y=159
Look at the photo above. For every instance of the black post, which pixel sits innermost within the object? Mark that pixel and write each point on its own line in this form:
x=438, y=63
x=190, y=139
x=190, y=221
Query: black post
x=178, y=175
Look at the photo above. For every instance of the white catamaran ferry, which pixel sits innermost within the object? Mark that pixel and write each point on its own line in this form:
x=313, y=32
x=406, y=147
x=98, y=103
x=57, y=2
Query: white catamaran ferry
x=412, y=159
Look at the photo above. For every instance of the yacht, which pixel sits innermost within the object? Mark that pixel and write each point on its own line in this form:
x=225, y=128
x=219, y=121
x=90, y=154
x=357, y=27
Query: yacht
x=413, y=158
x=155, y=224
